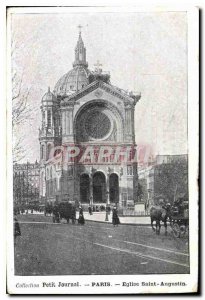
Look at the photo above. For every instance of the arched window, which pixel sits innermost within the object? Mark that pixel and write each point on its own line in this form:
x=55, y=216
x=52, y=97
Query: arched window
x=114, y=188
x=42, y=151
x=99, y=187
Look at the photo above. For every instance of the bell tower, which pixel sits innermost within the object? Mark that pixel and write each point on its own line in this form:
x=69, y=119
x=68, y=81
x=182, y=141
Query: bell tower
x=50, y=127
x=49, y=133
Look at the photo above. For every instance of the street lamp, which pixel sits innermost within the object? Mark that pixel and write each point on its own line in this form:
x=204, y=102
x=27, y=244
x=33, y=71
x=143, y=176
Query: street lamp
x=149, y=198
x=106, y=209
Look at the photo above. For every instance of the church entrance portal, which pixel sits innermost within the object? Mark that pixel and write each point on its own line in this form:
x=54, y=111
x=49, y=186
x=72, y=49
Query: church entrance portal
x=99, y=188
x=114, y=188
x=84, y=188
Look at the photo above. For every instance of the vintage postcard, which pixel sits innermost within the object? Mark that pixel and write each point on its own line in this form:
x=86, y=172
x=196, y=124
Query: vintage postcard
x=102, y=147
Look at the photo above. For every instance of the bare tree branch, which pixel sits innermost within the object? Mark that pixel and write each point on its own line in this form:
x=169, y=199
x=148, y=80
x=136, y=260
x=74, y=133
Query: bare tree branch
x=21, y=111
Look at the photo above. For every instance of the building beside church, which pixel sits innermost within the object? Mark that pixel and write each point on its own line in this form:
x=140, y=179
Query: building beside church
x=85, y=117
x=26, y=182
x=166, y=178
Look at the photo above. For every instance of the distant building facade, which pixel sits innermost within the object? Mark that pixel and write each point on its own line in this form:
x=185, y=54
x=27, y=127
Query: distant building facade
x=166, y=178
x=26, y=182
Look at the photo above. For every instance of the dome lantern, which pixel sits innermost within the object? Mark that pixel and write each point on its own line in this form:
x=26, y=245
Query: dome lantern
x=77, y=78
x=80, y=52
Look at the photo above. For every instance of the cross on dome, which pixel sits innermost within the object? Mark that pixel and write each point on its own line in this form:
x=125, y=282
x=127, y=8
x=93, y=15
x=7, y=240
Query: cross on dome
x=98, y=65
x=79, y=27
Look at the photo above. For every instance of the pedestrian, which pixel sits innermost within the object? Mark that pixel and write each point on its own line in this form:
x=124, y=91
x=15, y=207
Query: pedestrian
x=81, y=219
x=90, y=210
x=115, y=218
x=17, y=230
x=73, y=214
x=56, y=213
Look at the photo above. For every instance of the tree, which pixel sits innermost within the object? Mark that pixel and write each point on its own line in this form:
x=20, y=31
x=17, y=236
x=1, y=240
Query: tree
x=171, y=180
x=20, y=107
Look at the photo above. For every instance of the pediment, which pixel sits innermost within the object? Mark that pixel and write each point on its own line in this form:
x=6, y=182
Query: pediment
x=97, y=89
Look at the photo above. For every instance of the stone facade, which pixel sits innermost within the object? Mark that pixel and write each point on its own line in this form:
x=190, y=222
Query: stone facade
x=86, y=114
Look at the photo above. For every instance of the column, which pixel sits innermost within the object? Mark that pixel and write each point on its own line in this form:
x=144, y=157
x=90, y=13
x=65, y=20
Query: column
x=71, y=121
x=64, y=123
x=51, y=112
x=67, y=129
x=63, y=129
x=120, y=186
x=46, y=117
x=91, y=189
x=133, y=124
x=129, y=121
x=128, y=117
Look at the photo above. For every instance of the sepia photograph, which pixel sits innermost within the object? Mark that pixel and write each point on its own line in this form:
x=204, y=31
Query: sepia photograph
x=101, y=151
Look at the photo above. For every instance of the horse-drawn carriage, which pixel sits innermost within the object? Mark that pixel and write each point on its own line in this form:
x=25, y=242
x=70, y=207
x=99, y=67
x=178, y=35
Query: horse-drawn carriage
x=179, y=218
x=64, y=210
x=176, y=214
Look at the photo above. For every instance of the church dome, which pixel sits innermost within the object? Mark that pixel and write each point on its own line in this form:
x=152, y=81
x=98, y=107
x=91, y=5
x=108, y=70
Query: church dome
x=75, y=80
x=49, y=96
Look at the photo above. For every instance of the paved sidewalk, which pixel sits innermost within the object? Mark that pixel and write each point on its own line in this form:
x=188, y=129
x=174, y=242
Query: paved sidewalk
x=100, y=217
x=132, y=220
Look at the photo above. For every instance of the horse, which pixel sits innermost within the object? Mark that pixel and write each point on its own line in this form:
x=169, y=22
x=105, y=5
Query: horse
x=158, y=214
x=48, y=209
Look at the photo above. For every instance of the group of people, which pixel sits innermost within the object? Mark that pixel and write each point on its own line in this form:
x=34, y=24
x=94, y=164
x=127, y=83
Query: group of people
x=115, y=218
x=81, y=220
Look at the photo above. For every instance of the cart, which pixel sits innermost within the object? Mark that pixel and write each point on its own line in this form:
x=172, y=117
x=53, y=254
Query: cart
x=179, y=220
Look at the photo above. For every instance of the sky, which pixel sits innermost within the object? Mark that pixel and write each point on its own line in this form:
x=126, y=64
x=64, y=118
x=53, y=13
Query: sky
x=144, y=52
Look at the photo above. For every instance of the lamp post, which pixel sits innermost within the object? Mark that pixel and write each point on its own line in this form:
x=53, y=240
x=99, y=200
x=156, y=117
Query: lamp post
x=106, y=209
x=149, y=200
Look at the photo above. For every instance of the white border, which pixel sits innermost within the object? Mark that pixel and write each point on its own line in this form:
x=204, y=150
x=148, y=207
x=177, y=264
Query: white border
x=193, y=132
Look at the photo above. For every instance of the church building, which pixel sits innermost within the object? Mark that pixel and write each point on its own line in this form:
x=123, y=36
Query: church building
x=85, y=118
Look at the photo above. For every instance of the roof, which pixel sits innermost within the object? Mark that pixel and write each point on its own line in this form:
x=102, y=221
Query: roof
x=49, y=96
x=72, y=81
x=126, y=97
